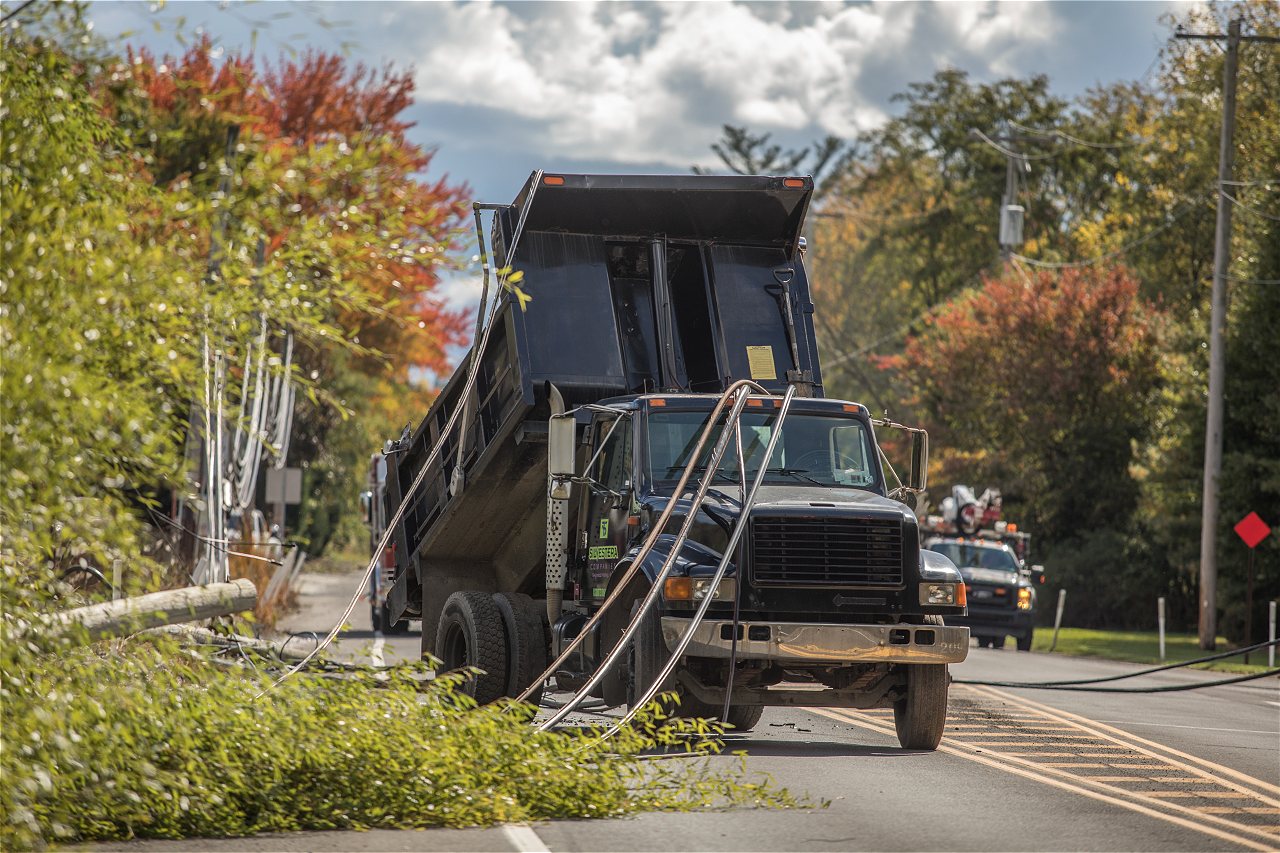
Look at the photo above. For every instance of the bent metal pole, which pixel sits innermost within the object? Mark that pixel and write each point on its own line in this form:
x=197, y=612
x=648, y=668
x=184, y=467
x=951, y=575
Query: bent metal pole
x=747, y=503
x=649, y=542
x=717, y=454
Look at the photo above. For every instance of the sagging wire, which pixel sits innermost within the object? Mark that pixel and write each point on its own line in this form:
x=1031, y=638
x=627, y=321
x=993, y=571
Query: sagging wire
x=737, y=589
x=1249, y=208
x=1187, y=207
x=748, y=501
x=215, y=544
x=648, y=544
x=1168, y=688
x=1162, y=668
x=472, y=374
x=742, y=393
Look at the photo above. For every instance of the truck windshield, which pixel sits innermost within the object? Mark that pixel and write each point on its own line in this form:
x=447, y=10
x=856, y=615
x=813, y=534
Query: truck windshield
x=821, y=450
x=976, y=556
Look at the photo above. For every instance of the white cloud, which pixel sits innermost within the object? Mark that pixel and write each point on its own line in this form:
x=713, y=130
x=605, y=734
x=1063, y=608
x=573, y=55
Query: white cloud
x=655, y=82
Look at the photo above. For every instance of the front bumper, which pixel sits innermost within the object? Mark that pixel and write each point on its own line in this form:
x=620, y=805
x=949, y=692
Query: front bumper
x=795, y=642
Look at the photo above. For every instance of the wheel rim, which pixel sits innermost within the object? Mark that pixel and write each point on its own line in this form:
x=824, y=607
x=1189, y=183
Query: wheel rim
x=454, y=653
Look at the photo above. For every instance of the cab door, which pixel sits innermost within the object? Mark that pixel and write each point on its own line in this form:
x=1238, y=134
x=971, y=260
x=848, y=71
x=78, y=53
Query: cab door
x=604, y=531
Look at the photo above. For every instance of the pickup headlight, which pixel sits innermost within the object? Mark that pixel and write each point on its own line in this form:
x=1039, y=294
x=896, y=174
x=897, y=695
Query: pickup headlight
x=1025, y=599
x=942, y=594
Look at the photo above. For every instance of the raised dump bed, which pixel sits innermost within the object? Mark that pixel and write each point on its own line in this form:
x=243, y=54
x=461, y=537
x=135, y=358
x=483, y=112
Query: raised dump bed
x=638, y=284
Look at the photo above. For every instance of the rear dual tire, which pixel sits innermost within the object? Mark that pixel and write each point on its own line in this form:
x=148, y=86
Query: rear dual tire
x=504, y=634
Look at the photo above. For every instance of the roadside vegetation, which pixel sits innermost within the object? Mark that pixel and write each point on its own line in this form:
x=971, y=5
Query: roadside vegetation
x=1073, y=376
x=140, y=738
x=1143, y=647
x=150, y=204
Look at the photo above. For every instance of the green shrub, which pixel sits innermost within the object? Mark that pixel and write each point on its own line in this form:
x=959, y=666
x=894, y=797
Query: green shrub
x=142, y=738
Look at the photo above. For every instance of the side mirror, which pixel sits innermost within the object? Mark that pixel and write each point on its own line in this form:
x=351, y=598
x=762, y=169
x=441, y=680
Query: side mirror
x=918, y=477
x=366, y=506
x=562, y=445
x=1037, y=574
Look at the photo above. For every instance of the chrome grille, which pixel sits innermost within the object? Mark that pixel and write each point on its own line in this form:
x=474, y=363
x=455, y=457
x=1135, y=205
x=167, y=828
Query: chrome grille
x=795, y=551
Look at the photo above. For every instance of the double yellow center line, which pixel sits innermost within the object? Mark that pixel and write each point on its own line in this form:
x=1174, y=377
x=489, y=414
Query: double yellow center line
x=1079, y=755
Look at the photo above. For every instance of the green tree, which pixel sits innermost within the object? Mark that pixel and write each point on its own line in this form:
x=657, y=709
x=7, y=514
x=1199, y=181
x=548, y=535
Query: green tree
x=1040, y=386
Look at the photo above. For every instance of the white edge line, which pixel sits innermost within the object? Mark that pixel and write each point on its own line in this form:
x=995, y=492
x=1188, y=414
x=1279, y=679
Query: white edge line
x=523, y=838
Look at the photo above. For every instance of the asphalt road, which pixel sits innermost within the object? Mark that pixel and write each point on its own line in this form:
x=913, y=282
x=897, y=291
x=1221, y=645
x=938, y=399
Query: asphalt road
x=1018, y=770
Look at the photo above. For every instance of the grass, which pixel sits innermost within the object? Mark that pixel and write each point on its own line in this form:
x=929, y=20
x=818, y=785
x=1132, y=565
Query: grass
x=1142, y=647
x=337, y=560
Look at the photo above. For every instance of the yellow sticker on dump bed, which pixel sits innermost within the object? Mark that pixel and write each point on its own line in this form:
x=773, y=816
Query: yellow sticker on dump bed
x=760, y=361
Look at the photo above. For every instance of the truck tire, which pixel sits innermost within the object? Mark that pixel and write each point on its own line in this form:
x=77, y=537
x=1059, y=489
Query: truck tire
x=1024, y=642
x=648, y=656
x=526, y=642
x=744, y=718
x=471, y=633
x=921, y=716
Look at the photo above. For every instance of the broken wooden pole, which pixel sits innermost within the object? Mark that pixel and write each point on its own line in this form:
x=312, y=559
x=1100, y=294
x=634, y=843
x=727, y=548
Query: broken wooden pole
x=188, y=604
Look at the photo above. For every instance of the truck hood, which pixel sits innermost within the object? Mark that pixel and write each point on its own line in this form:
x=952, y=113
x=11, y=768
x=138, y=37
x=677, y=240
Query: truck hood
x=723, y=500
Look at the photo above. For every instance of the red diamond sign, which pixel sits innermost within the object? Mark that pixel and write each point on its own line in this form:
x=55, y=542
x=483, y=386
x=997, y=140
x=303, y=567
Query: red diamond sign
x=1252, y=529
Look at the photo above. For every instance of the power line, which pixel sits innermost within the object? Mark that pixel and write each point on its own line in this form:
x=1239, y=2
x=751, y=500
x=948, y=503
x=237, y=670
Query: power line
x=1106, y=256
x=1009, y=152
x=1234, y=280
x=16, y=11
x=1249, y=209
x=1061, y=134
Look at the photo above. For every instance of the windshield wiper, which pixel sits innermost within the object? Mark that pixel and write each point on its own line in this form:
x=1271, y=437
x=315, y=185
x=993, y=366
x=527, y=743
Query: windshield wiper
x=700, y=469
x=802, y=473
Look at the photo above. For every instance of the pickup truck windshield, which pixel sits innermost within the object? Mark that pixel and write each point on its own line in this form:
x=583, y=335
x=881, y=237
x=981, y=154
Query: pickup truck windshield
x=976, y=556
x=820, y=450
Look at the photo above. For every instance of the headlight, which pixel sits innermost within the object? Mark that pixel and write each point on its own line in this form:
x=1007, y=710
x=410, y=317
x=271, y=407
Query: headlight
x=944, y=594
x=696, y=589
x=1024, y=598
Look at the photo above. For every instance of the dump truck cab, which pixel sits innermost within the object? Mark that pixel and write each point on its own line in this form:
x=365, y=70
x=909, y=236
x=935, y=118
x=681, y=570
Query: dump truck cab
x=642, y=301
x=830, y=586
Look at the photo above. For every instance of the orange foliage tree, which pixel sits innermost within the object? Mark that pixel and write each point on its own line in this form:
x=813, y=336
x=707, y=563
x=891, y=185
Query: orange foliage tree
x=326, y=183
x=288, y=115
x=1047, y=378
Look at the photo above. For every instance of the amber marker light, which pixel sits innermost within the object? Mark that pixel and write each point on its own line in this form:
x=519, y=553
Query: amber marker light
x=657, y=402
x=678, y=589
x=793, y=183
x=552, y=181
x=962, y=595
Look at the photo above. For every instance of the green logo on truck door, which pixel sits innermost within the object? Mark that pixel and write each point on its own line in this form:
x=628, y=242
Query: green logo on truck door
x=604, y=528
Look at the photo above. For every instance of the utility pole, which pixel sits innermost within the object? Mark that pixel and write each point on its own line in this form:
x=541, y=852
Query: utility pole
x=1011, y=213
x=1217, y=325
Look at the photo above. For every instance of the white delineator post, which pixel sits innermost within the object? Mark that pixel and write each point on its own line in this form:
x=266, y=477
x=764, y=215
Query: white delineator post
x=1271, y=636
x=1160, y=619
x=1057, y=620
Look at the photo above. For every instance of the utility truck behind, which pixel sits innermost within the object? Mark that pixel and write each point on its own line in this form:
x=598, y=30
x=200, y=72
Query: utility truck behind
x=650, y=296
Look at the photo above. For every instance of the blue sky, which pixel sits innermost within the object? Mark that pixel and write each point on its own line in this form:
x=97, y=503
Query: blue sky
x=504, y=88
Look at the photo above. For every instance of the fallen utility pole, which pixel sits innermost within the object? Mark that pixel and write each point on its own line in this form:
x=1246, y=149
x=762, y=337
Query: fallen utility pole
x=189, y=604
x=1217, y=325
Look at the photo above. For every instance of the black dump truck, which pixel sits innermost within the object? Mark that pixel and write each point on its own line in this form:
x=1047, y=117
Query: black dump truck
x=650, y=296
